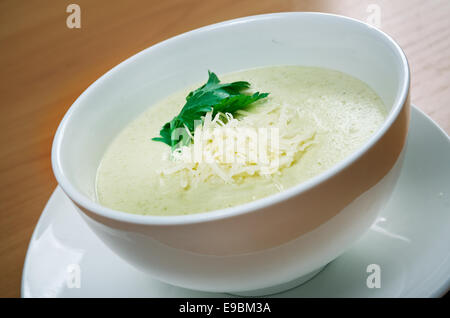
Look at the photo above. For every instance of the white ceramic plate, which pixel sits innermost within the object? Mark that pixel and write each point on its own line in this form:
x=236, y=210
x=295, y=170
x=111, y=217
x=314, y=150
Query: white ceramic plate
x=410, y=242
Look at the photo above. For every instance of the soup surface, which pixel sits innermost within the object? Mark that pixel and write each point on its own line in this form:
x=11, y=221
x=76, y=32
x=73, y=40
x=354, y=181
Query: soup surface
x=312, y=119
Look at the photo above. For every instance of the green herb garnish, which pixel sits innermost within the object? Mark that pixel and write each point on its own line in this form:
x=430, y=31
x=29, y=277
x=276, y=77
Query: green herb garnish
x=212, y=96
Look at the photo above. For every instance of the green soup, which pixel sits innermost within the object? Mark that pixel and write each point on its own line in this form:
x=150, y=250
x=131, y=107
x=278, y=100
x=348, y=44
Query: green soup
x=323, y=115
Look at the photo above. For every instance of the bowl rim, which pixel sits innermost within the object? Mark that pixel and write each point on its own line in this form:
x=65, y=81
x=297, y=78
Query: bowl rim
x=252, y=206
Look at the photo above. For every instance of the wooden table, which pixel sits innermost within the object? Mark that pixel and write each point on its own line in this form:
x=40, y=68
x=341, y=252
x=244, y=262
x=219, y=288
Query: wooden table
x=45, y=66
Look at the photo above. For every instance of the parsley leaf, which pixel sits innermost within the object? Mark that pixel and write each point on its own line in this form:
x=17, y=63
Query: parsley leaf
x=212, y=96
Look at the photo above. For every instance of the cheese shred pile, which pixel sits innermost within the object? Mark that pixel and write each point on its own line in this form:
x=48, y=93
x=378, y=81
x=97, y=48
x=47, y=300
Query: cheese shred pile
x=231, y=149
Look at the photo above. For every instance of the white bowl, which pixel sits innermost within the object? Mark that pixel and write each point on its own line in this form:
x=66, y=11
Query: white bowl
x=277, y=241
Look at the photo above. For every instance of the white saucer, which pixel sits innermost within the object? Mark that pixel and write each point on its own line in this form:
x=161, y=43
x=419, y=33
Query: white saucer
x=410, y=242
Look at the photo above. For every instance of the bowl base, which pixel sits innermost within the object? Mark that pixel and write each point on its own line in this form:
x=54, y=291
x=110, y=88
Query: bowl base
x=281, y=287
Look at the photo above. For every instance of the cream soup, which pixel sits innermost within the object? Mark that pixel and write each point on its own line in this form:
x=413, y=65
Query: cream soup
x=321, y=116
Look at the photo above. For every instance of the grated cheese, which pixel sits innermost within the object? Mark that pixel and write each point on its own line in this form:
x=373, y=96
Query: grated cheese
x=230, y=149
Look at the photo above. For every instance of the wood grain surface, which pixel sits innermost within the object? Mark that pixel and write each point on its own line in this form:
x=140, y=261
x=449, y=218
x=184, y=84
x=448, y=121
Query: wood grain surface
x=45, y=66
